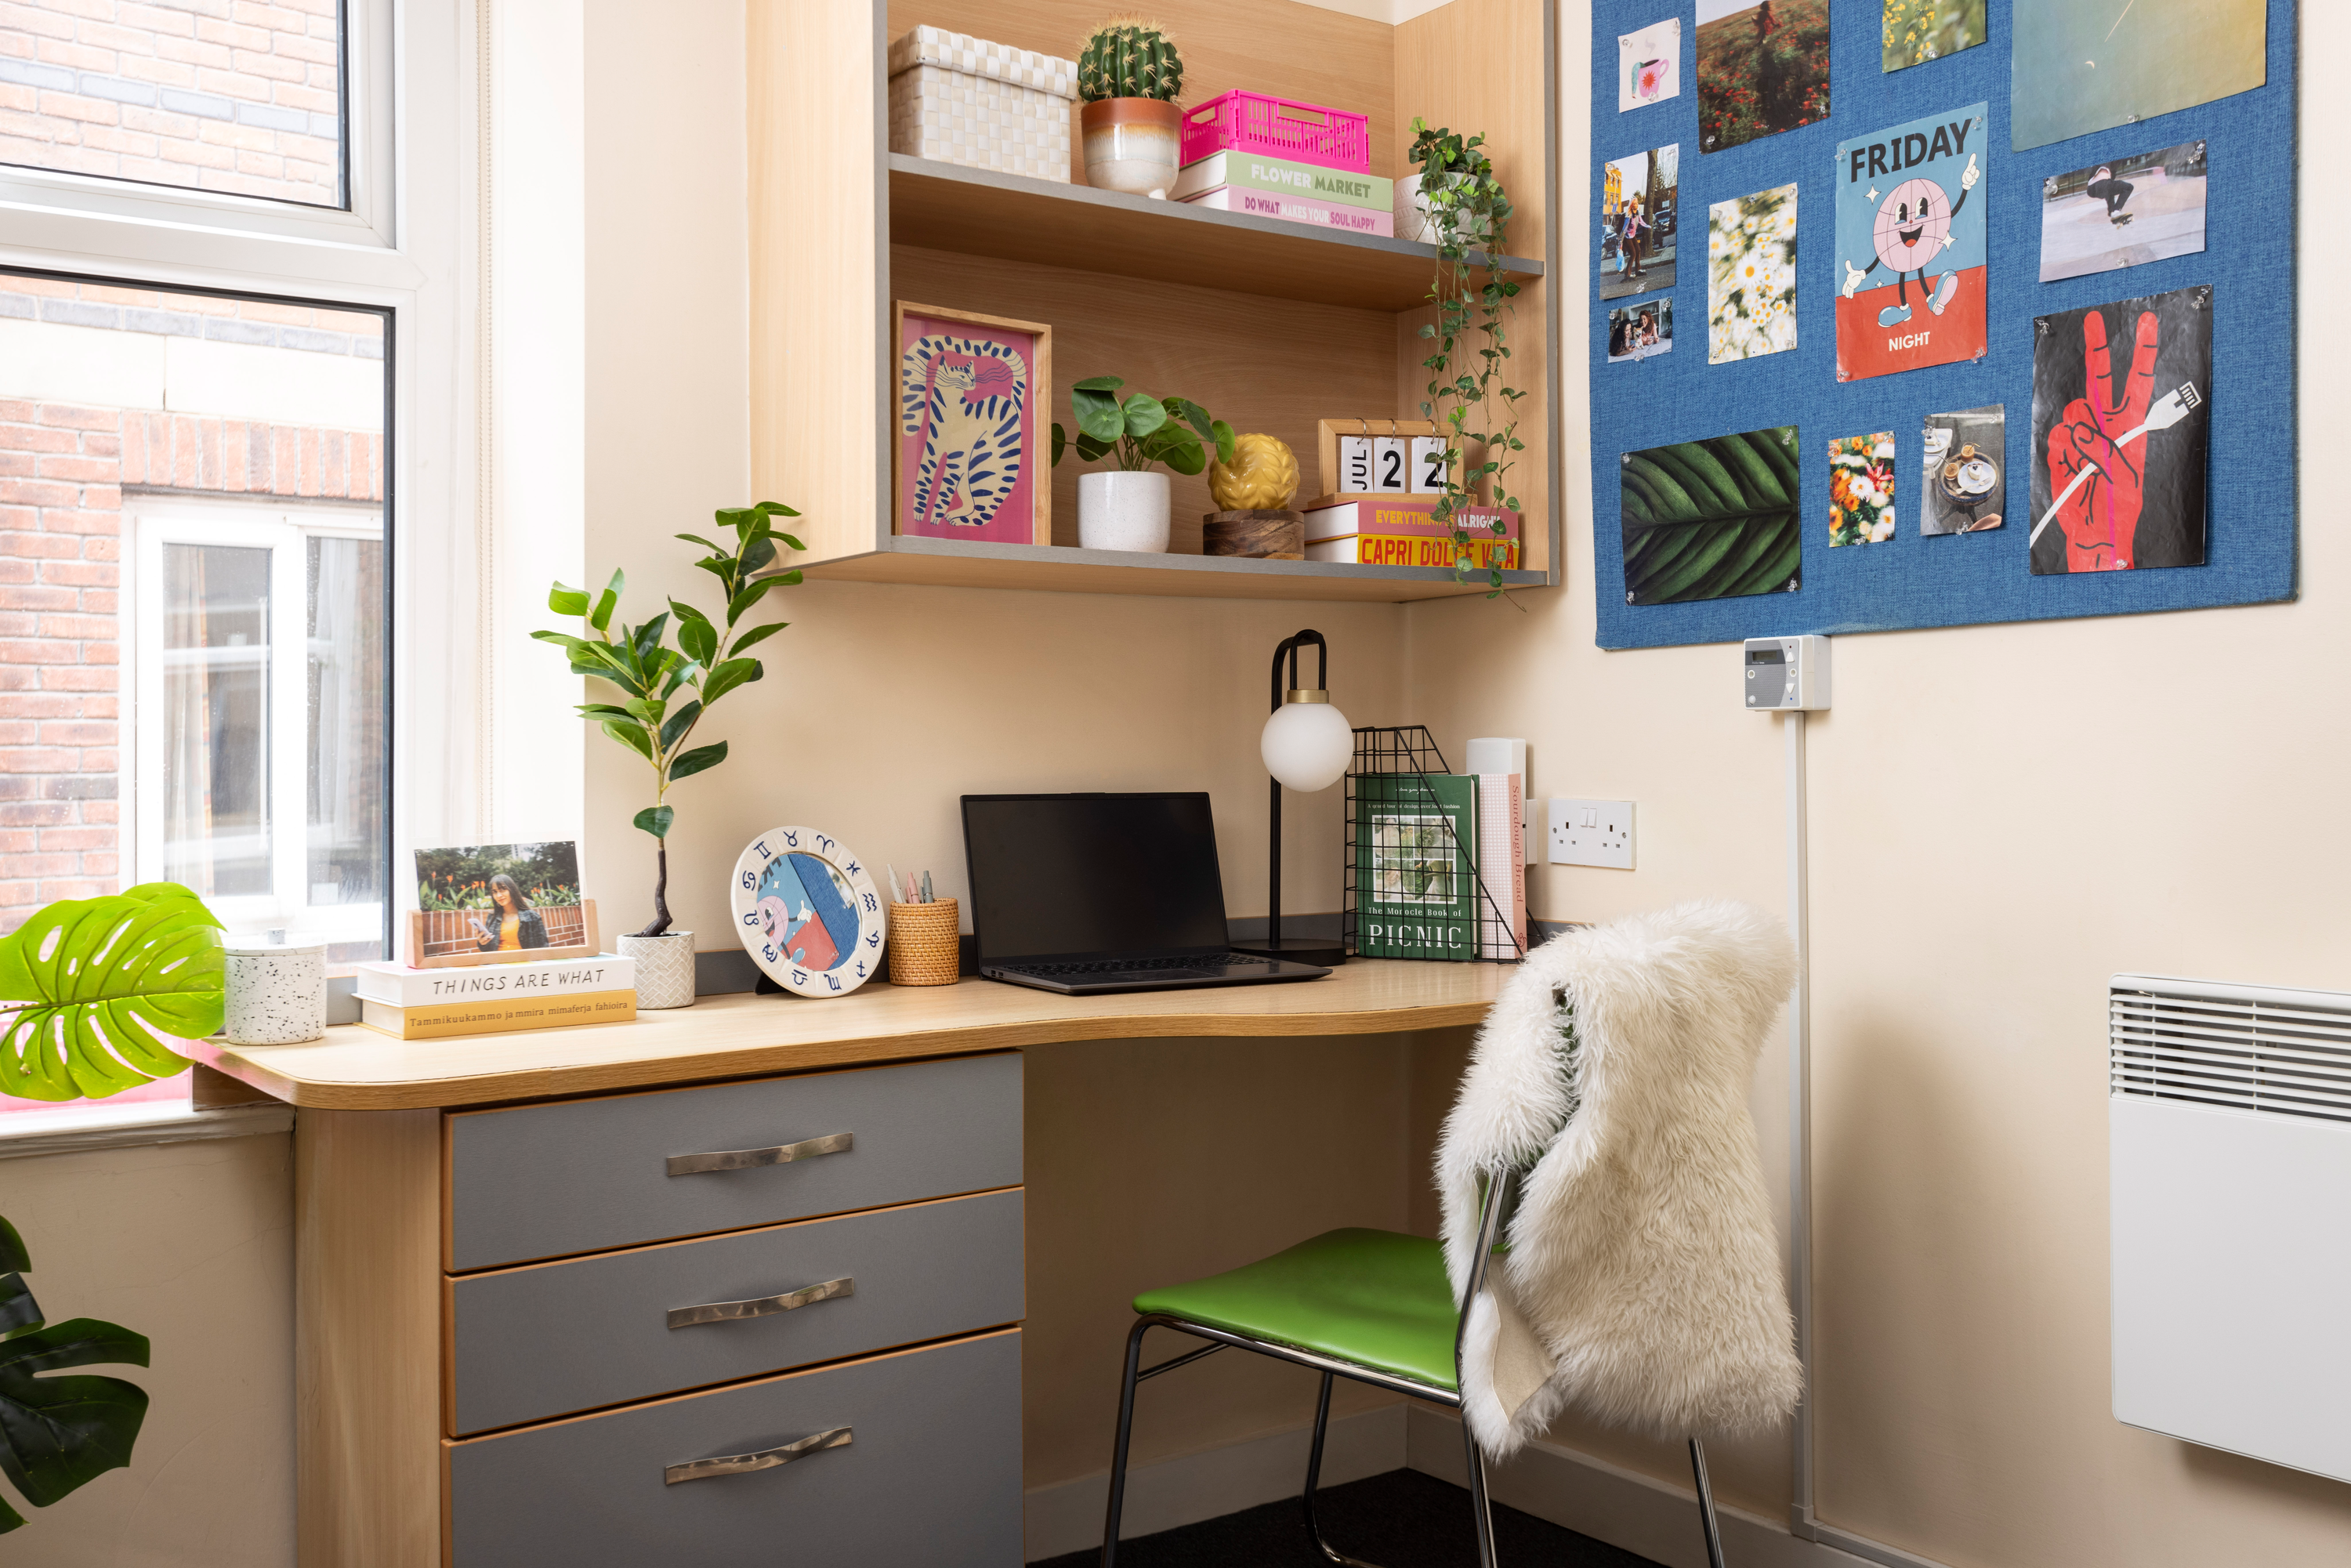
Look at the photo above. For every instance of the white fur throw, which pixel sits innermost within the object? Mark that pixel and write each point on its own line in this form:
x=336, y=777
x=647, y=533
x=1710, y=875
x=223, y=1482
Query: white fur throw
x=1642, y=1283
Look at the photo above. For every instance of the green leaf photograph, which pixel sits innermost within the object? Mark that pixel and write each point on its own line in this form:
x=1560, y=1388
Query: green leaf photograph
x=1712, y=520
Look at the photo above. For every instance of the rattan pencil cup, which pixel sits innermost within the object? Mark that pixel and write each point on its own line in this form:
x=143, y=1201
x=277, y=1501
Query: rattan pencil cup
x=923, y=947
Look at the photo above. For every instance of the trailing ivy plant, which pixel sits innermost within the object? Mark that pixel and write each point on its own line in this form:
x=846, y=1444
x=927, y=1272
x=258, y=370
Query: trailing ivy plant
x=1142, y=430
x=93, y=990
x=665, y=691
x=59, y=1433
x=1469, y=398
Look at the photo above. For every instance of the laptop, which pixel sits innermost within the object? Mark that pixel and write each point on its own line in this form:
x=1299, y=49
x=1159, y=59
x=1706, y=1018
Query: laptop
x=1090, y=894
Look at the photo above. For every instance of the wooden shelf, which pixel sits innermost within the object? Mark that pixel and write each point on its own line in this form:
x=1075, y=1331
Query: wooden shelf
x=952, y=563
x=944, y=206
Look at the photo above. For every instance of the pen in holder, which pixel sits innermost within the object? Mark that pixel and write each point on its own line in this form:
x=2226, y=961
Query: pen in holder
x=923, y=945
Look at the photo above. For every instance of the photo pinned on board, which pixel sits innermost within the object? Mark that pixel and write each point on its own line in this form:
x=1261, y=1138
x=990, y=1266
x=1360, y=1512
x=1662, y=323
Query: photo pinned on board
x=2122, y=413
x=1750, y=291
x=1641, y=331
x=1965, y=472
x=2079, y=66
x=1650, y=65
x=1637, y=222
x=1763, y=69
x=1861, y=489
x=1911, y=245
x=1918, y=31
x=1712, y=520
x=2125, y=211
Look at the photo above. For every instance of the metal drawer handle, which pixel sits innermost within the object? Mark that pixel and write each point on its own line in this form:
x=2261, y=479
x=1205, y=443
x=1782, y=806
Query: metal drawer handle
x=761, y=1306
x=750, y=1159
x=765, y=1459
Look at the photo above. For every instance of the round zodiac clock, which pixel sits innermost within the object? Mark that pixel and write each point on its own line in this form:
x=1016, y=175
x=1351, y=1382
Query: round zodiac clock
x=808, y=912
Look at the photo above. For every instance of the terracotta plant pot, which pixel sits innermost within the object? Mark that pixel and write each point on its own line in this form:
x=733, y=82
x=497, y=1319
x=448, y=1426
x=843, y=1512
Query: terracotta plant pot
x=1131, y=144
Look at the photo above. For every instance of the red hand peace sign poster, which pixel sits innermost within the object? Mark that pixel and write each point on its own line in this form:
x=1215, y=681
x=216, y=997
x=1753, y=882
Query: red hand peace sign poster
x=2121, y=413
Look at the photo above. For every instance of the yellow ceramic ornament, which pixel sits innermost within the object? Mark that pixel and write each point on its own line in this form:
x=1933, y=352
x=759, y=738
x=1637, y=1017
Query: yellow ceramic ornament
x=1262, y=477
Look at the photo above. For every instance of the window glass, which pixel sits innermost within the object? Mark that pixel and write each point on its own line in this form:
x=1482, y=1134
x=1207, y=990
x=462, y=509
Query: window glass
x=194, y=607
x=244, y=98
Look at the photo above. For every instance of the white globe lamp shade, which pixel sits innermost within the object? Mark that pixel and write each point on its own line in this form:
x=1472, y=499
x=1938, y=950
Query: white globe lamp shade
x=1307, y=746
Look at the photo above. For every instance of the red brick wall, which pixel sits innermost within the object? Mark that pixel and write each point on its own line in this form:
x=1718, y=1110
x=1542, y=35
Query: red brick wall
x=62, y=472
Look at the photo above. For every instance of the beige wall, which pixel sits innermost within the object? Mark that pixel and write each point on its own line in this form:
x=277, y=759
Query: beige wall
x=193, y=1246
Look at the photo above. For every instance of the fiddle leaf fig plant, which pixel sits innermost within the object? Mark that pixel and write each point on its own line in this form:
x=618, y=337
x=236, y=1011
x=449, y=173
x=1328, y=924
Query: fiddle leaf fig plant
x=92, y=990
x=664, y=691
x=58, y=1433
x=1140, y=429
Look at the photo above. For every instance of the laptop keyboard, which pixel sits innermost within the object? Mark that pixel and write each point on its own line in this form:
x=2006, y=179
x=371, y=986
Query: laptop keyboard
x=1173, y=968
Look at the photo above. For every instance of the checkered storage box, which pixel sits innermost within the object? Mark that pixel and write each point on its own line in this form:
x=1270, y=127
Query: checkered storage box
x=963, y=100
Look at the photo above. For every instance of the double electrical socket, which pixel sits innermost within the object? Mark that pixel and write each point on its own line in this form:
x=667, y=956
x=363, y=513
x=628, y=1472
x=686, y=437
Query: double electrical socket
x=1592, y=832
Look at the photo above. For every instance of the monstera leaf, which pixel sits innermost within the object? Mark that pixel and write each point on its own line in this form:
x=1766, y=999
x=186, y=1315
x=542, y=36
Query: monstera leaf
x=93, y=982
x=1711, y=519
x=59, y=1433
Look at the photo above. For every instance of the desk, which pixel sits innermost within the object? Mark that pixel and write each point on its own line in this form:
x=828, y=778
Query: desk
x=398, y=1153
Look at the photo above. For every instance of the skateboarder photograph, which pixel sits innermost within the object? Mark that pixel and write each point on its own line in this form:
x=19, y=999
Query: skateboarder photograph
x=2123, y=213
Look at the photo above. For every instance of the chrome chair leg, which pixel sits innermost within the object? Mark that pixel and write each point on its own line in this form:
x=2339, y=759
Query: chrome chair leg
x=1118, y=1448
x=1706, y=1505
x=1481, y=1506
x=1314, y=1474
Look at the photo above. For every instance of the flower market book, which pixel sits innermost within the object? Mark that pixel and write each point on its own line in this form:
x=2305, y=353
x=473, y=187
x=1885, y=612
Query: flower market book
x=1416, y=866
x=1284, y=177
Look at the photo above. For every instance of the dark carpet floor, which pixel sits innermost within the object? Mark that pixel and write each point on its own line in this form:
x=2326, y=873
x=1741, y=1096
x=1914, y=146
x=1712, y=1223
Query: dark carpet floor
x=1401, y=1520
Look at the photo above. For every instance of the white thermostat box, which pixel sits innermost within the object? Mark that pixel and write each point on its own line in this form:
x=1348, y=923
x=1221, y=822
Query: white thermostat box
x=1785, y=673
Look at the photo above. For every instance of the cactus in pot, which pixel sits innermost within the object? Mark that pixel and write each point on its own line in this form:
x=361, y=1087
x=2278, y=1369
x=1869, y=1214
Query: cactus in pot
x=1129, y=74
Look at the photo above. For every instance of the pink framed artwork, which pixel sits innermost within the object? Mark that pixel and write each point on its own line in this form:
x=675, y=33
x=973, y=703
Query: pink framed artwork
x=971, y=392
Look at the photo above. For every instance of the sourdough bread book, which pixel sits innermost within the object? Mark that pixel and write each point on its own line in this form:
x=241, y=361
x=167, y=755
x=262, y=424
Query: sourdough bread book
x=1398, y=517
x=1502, y=867
x=402, y=986
x=511, y=1015
x=1415, y=866
x=1284, y=177
x=1379, y=549
x=1296, y=210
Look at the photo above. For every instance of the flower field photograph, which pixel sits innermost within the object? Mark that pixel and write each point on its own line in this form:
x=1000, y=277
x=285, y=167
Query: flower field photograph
x=1861, y=489
x=1916, y=31
x=1751, y=293
x=1761, y=69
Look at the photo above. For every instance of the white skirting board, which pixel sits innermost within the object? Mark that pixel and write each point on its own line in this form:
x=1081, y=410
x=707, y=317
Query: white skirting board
x=1592, y=1497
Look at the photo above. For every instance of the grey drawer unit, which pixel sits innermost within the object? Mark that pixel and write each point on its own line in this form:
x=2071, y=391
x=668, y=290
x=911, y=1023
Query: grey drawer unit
x=930, y=1473
x=584, y=1175
x=533, y=1343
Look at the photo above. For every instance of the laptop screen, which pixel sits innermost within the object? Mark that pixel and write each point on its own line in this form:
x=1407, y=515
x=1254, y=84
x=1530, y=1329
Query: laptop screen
x=1065, y=876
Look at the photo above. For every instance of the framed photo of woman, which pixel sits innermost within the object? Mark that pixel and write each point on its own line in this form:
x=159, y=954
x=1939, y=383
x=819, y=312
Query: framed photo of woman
x=972, y=459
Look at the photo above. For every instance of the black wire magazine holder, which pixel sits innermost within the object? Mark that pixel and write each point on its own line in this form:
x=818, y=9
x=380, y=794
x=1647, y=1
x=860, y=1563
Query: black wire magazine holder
x=1408, y=754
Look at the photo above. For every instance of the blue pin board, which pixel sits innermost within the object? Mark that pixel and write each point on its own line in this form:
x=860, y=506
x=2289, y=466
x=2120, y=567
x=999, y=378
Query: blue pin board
x=1640, y=404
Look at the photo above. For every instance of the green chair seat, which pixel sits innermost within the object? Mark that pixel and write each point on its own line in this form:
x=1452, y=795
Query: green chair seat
x=1371, y=1297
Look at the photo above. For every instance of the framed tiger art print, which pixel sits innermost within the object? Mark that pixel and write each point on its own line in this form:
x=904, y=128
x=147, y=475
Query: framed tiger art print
x=972, y=394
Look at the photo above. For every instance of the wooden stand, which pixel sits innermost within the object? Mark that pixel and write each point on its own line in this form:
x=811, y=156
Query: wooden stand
x=1260, y=535
x=588, y=948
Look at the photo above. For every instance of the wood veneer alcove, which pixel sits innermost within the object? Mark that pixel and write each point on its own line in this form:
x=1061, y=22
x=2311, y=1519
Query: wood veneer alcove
x=1271, y=325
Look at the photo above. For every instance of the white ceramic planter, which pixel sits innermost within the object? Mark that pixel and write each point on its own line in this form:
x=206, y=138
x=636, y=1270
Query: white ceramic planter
x=664, y=969
x=1414, y=222
x=276, y=995
x=1123, y=510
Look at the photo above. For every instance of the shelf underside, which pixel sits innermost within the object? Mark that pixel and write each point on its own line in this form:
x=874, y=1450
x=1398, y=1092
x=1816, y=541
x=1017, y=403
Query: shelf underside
x=944, y=206
x=1050, y=568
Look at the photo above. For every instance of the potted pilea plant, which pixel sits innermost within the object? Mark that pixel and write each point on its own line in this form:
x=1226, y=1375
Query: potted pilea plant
x=665, y=692
x=1469, y=397
x=1129, y=129
x=1126, y=507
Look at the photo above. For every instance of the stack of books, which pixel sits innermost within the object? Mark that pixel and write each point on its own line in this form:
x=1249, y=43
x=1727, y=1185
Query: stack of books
x=1402, y=530
x=495, y=999
x=1292, y=189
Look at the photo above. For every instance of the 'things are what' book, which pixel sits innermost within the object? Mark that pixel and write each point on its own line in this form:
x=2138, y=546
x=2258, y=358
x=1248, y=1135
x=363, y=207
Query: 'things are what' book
x=1415, y=866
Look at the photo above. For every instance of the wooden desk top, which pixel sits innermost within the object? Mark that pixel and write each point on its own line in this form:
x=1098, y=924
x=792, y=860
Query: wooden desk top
x=359, y=1068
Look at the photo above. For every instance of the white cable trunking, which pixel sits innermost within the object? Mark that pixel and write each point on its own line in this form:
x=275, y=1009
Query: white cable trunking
x=2230, y=1115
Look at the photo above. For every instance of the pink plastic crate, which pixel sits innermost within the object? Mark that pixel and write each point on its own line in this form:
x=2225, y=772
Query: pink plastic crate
x=1244, y=121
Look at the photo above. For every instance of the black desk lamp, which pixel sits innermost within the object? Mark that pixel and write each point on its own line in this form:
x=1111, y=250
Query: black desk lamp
x=1307, y=744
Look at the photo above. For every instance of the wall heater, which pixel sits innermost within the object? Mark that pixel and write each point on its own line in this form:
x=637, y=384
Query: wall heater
x=2230, y=1111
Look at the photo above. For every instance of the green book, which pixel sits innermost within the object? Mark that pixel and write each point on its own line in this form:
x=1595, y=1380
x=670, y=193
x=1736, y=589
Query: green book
x=1284, y=177
x=1416, y=866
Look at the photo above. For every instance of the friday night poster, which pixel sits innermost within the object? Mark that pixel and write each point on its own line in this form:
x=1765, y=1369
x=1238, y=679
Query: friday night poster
x=1910, y=244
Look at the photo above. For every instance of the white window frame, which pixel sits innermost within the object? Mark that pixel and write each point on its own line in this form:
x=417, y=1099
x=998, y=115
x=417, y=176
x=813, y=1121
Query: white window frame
x=284, y=528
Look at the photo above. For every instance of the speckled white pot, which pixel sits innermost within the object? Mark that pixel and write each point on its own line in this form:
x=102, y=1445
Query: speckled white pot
x=1118, y=509
x=664, y=969
x=276, y=995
